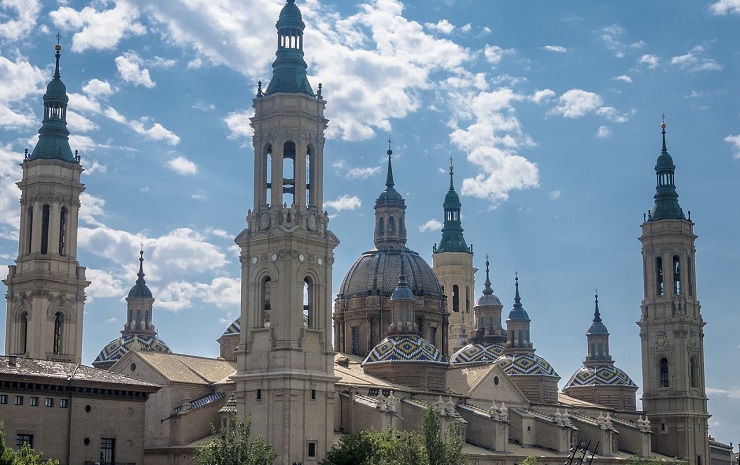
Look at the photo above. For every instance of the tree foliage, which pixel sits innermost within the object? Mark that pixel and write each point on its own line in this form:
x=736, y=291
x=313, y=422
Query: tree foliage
x=25, y=456
x=233, y=447
x=370, y=447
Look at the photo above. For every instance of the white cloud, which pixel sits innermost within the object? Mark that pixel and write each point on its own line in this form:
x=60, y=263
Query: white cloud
x=603, y=132
x=344, y=202
x=78, y=123
x=10, y=195
x=431, y=225
x=98, y=30
x=443, y=26
x=19, y=80
x=18, y=18
x=734, y=140
x=91, y=207
x=555, y=48
x=155, y=132
x=553, y=195
x=93, y=167
x=611, y=114
x=238, y=124
x=103, y=284
x=494, y=54
x=651, y=61
x=362, y=172
x=182, y=165
x=623, y=78
x=733, y=393
x=222, y=292
x=724, y=7
x=96, y=88
x=576, y=103
x=130, y=68
x=694, y=60
x=542, y=96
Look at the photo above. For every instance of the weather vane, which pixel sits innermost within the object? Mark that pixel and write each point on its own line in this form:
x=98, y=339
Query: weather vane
x=59, y=37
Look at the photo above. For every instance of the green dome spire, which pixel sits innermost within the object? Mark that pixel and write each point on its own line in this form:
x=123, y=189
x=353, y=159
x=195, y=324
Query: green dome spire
x=289, y=68
x=53, y=141
x=452, y=231
x=666, y=198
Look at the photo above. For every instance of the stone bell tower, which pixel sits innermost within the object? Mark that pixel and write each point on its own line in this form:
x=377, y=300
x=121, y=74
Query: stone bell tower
x=671, y=326
x=46, y=286
x=285, y=375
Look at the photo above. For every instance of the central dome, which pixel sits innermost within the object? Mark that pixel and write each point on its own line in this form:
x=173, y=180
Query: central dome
x=376, y=273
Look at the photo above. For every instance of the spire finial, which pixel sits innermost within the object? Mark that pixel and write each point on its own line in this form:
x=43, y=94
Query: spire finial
x=663, y=125
x=487, y=290
x=452, y=168
x=57, y=47
x=140, y=274
x=517, y=299
x=389, y=180
x=597, y=315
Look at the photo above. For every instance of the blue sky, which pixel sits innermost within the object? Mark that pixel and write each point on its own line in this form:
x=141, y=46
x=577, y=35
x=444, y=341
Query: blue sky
x=551, y=112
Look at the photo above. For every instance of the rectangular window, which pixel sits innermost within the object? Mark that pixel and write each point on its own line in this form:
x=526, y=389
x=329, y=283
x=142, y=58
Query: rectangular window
x=259, y=394
x=21, y=439
x=18, y=400
x=49, y=402
x=63, y=403
x=433, y=335
x=355, y=340
x=107, y=450
x=3, y=399
x=311, y=448
x=34, y=402
x=313, y=394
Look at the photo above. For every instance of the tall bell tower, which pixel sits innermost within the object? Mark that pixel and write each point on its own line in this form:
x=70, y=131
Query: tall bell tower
x=46, y=286
x=453, y=264
x=285, y=360
x=671, y=326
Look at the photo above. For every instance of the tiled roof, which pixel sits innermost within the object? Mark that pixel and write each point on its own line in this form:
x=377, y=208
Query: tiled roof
x=189, y=368
x=405, y=348
x=477, y=353
x=201, y=401
x=603, y=375
x=65, y=372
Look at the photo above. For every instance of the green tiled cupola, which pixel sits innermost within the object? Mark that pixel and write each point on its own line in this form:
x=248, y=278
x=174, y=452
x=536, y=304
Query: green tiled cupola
x=452, y=231
x=666, y=198
x=289, y=68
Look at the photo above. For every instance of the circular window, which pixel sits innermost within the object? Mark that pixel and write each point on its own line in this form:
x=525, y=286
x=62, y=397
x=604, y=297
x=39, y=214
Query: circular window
x=495, y=380
x=132, y=367
x=88, y=408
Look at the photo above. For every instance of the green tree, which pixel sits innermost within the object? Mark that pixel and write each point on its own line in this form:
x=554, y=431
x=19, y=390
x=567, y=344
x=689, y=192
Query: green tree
x=531, y=460
x=443, y=447
x=25, y=456
x=233, y=447
x=370, y=447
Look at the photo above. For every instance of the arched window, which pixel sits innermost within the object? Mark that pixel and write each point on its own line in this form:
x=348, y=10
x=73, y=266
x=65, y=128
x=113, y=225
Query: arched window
x=520, y=342
x=490, y=324
x=309, y=318
x=391, y=225
x=664, y=372
x=263, y=319
x=146, y=319
x=289, y=172
x=400, y=225
x=45, y=229
x=455, y=298
x=310, y=180
x=676, y=275
x=267, y=170
x=23, y=342
x=467, y=299
x=381, y=226
x=30, y=228
x=62, y=231
x=58, y=322
x=659, y=289
x=138, y=318
x=689, y=276
x=692, y=373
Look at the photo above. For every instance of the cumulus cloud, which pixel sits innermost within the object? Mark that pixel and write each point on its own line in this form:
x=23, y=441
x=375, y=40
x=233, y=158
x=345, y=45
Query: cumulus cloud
x=154, y=132
x=78, y=123
x=555, y=48
x=362, y=172
x=442, y=26
x=221, y=292
x=431, y=225
x=10, y=195
x=104, y=284
x=20, y=80
x=542, y=96
x=576, y=103
x=238, y=124
x=724, y=7
x=651, y=61
x=344, y=202
x=130, y=68
x=733, y=393
x=494, y=54
x=99, y=29
x=182, y=165
x=603, y=132
x=18, y=18
x=695, y=60
x=735, y=141
x=623, y=78
x=95, y=88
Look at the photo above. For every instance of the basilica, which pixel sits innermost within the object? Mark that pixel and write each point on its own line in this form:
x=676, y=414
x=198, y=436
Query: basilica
x=309, y=366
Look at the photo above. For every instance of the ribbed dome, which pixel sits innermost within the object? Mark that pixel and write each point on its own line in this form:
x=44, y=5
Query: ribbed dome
x=56, y=90
x=526, y=365
x=117, y=348
x=404, y=348
x=377, y=272
x=488, y=300
x=604, y=375
x=477, y=354
x=290, y=16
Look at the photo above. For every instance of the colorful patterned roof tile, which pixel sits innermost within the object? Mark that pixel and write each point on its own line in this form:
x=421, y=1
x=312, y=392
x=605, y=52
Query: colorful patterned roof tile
x=404, y=348
x=200, y=402
x=604, y=375
x=475, y=354
x=117, y=348
x=526, y=365
x=234, y=328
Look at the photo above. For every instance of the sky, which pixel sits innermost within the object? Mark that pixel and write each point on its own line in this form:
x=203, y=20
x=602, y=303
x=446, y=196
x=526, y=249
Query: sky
x=551, y=113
